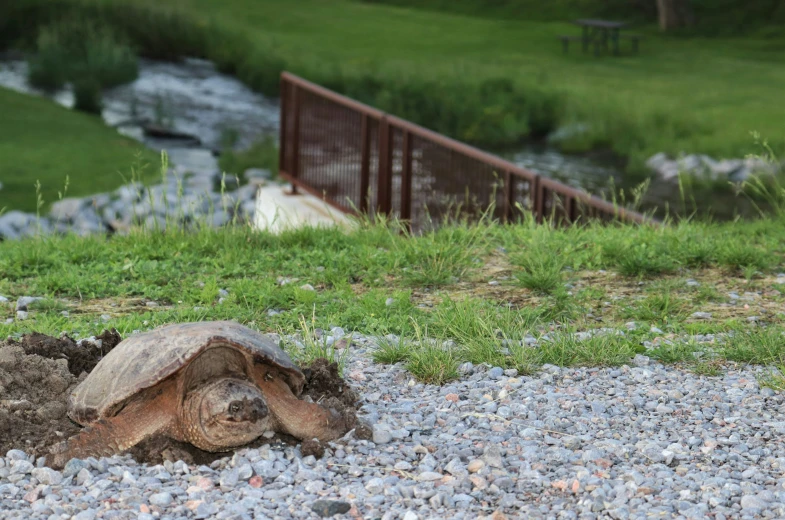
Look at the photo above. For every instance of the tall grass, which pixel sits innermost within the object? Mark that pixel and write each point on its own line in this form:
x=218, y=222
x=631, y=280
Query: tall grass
x=83, y=51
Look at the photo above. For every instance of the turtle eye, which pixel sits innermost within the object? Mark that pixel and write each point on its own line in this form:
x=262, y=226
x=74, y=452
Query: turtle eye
x=234, y=408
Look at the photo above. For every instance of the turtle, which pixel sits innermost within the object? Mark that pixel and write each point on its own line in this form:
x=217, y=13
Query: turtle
x=217, y=385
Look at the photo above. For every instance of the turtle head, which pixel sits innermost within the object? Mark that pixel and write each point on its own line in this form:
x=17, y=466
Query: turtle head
x=225, y=413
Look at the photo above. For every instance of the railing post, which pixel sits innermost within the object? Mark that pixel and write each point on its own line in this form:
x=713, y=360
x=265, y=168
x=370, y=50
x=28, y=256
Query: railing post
x=282, y=128
x=296, y=100
x=384, y=187
x=406, y=181
x=570, y=210
x=538, y=201
x=509, y=197
x=365, y=166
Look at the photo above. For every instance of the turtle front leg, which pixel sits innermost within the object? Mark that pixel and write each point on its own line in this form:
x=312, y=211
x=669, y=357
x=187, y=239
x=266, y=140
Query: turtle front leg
x=107, y=437
x=296, y=417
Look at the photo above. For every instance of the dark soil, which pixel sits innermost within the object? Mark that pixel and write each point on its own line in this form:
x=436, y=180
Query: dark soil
x=325, y=386
x=81, y=358
x=38, y=372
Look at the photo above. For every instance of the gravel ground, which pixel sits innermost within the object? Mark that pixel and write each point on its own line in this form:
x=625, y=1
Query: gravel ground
x=637, y=441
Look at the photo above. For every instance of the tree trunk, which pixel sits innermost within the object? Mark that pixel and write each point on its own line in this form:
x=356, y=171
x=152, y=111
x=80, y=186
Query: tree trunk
x=674, y=14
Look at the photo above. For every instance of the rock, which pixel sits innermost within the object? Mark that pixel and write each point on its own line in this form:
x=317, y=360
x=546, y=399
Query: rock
x=83, y=476
x=375, y=486
x=161, y=499
x=381, y=435
x=23, y=303
x=466, y=368
x=229, y=478
x=496, y=372
x=48, y=476
x=68, y=208
x=753, y=502
x=74, y=466
x=428, y=476
x=492, y=456
x=701, y=315
x=327, y=508
x=475, y=466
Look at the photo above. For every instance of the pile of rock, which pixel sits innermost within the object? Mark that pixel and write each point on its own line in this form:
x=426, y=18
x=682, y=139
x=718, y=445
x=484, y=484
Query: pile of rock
x=184, y=199
x=703, y=166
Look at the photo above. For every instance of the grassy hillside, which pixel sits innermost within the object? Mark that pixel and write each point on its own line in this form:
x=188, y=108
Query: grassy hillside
x=42, y=141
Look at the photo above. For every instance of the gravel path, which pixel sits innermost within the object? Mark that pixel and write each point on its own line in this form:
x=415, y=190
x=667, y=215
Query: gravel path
x=638, y=441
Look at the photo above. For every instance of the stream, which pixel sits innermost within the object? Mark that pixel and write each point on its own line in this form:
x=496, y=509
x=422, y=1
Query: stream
x=206, y=109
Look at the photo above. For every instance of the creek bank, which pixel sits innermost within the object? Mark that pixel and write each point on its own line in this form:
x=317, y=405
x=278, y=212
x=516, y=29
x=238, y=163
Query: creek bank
x=705, y=167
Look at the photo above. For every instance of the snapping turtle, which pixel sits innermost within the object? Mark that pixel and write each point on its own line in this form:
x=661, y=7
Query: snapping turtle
x=215, y=385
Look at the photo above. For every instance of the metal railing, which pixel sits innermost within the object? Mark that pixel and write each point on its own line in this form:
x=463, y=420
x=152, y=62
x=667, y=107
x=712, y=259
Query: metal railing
x=361, y=160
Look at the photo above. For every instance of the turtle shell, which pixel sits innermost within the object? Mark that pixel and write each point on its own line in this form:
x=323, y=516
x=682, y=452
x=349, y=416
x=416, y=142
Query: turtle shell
x=144, y=360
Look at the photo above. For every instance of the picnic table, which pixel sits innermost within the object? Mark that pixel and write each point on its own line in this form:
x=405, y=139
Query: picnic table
x=599, y=32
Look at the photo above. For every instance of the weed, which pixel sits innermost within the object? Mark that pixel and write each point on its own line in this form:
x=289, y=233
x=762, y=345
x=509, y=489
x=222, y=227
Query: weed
x=541, y=270
x=568, y=349
x=674, y=352
x=757, y=346
x=774, y=378
x=441, y=257
x=659, y=307
x=429, y=361
x=485, y=332
x=309, y=346
x=391, y=350
x=708, y=368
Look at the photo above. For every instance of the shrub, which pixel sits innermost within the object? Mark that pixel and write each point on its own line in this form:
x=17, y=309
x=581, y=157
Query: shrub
x=87, y=95
x=73, y=49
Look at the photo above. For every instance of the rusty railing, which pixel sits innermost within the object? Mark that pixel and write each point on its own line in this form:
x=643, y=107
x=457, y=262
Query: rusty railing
x=361, y=160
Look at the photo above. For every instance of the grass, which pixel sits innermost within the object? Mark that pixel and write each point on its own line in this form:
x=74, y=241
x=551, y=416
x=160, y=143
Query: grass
x=712, y=17
x=261, y=154
x=447, y=314
x=78, y=50
x=42, y=141
x=488, y=81
x=310, y=345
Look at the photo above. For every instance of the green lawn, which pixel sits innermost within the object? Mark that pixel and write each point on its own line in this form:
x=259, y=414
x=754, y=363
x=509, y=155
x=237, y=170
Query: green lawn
x=679, y=94
x=42, y=141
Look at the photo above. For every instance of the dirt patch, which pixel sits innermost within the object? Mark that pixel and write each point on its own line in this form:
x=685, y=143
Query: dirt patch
x=38, y=372
x=80, y=357
x=33, y=394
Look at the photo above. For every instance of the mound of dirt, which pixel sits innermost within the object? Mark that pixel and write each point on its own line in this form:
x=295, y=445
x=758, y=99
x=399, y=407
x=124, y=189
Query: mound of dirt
x=33, y=406
x=324, y=385
x=81, y=358
x=38, y=373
